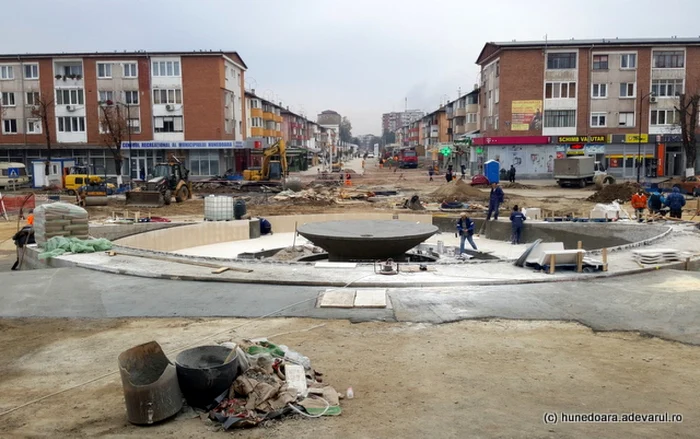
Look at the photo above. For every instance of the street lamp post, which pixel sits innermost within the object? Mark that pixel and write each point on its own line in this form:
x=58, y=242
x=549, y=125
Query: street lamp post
x=639, y=135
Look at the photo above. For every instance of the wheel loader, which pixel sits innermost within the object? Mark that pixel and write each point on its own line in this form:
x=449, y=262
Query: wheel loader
x=169, y=180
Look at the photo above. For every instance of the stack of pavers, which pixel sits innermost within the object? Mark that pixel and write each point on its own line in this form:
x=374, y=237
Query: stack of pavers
x=60, y=219
x=656, y=256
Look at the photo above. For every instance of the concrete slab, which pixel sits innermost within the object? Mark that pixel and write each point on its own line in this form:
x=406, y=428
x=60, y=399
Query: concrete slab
x=337, y=299
x=232, y=249
x=335, y=265
x=370, y=298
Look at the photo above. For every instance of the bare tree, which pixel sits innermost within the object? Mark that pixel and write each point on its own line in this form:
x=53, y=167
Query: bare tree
x=42, y=109
x=688, y=120
x=115, y=129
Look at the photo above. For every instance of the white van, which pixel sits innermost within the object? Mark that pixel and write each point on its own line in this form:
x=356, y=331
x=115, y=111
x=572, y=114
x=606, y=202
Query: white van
x=13, y=174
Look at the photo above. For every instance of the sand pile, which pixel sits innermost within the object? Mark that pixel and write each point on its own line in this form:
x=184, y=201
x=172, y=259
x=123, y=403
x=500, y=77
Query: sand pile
x=516, y=185
x=612, y=192
x=458, y=190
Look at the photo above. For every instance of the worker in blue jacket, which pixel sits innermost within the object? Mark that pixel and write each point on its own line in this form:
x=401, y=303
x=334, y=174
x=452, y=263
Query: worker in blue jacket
x=495, y=200
x=465, y=228
x=675, y=201
x=517, y=218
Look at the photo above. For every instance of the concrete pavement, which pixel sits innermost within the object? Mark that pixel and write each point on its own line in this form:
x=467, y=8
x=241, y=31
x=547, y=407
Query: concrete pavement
x=663, y=303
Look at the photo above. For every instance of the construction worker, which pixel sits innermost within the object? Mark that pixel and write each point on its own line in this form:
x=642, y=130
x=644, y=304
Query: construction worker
x=465, y=229
x=675, y=202
x=495, y=200
x=639, y=203
x=30, y=218
x=517, y=218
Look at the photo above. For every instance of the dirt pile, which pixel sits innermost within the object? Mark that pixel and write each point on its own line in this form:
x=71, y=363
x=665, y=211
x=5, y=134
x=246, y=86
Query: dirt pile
x=612, y=192
x=458, y=190
x=517, y=186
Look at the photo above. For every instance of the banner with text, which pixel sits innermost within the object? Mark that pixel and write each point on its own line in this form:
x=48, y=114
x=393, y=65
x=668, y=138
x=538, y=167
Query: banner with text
x=204, y=144
x=526, y=115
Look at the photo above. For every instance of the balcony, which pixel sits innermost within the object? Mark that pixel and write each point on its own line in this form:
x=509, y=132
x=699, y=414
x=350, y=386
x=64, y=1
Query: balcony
x=460, y=129
x=277, y=118
x=460, y=112
x=68, y=74
x=256, y=112
x=268, y=116
x=256, y=132
x=434, y=130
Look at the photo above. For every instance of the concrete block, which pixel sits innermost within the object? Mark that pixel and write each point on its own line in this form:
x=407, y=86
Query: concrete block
x=337, y=299
x=370, y=298
x=254, y=228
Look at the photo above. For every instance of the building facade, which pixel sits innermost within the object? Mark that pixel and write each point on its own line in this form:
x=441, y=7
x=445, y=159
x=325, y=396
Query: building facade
x=611, y=99
x=186, y=104
x=397, y=119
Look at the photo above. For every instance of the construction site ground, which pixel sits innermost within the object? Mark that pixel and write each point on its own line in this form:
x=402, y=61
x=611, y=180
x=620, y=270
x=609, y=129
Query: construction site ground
x=467, y=379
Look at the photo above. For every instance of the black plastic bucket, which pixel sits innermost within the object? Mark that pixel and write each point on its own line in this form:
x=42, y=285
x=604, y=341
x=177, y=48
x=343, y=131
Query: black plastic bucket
x=203, y=375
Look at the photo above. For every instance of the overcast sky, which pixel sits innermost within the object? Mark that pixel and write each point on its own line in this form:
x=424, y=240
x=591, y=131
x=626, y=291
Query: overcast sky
x=358, y=57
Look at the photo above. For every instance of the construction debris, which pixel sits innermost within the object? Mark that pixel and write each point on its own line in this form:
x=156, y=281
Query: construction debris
x=307, y=194
x=656, y=256
x=458, y=190
x=278, y=382
x=614, y=192
x=413, y=203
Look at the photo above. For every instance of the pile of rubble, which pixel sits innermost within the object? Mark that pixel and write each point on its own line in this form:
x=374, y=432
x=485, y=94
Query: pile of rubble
x=325, y=195
x=615, y=192
x=458, y=190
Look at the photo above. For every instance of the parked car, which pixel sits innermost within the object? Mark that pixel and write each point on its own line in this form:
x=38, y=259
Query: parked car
x=691, y=185
x=13, y=174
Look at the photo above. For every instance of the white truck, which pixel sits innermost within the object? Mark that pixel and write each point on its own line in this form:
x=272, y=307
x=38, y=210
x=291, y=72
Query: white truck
x=580, y=171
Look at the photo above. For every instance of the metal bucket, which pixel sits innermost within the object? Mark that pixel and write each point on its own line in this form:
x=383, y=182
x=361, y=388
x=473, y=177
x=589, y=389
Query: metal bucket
x=203, y=375
x=149, y=379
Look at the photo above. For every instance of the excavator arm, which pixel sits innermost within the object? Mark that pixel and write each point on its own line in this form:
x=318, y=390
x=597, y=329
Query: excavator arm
x=277, y=148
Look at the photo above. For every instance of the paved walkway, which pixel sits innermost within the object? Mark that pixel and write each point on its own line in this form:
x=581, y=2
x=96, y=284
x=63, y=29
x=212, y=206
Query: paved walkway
x=662, y=303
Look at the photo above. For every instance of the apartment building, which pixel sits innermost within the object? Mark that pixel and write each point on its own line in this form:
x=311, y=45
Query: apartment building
x=463, y=116
x=610, y=98
x=186, y=104
x=397, y=119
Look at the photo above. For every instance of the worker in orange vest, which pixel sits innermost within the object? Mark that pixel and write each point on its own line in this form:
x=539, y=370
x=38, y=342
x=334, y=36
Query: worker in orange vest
x=639, y=203
x=30, y=218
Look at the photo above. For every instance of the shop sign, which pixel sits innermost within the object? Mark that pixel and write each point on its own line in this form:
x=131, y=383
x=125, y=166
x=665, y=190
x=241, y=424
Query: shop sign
x=205, y=144
x=635, y=138
x=582, y=139
x=512, y=140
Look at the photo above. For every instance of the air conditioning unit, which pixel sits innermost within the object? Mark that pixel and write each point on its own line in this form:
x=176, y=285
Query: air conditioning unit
x=652, y=99
x=70, y=107
x=170, y=107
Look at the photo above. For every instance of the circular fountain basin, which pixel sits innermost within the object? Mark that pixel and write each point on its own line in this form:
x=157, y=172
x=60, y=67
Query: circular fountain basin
x=363, y=240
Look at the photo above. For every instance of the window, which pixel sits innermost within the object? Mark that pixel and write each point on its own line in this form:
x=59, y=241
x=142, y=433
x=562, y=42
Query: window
x=71, y=124
x=627, y=90
x=135, y=125
x=73, y=70
x=167, y=124
x=598, y=120
x=33, y=126
x=498, y=68
x=257, y=122
x=495, y=123
x=131, y=97
x=599, y=91
x=204, y=162
x=471, y=118
x=8, y=99
x=668, y=59
x=254, y=103
x=166, y=68
x=7, y=72
x=32, y=98
x=560, y=90
x=130, y=70
x=559, y=118
x=104, y=71
x=626, y=119
x=169, y=96
x=105, y=95
x=600, y=62
x=628, y=61
x=556, y=61
x=664, y=117
x=497, y=96
x=70, y=97
x=664, y=88
x=31, y=71
x=228, y=126
x=9, y=126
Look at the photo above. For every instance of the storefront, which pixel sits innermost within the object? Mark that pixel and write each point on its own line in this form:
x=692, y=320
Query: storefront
x=204, y=159
x=532, y=156
x=627, y=152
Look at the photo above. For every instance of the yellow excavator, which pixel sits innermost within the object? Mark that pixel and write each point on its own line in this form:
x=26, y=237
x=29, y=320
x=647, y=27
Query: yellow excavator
x=264, y=173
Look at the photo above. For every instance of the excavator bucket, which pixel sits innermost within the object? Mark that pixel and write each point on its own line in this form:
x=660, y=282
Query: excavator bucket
x=144, y=199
